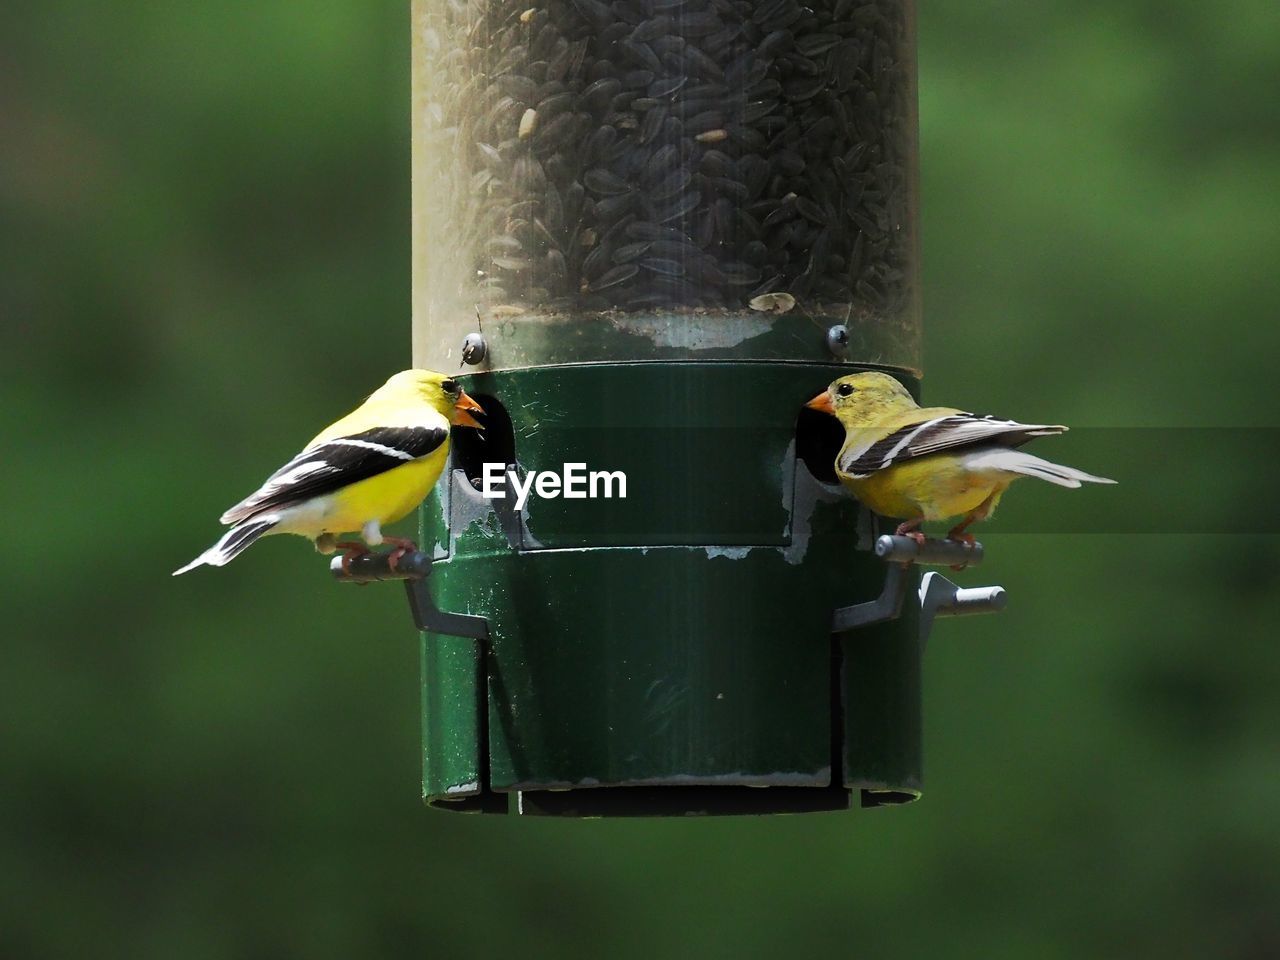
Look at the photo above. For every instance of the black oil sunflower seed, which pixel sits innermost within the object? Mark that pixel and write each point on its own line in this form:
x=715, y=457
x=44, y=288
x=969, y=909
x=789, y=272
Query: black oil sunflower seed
x=646, y=154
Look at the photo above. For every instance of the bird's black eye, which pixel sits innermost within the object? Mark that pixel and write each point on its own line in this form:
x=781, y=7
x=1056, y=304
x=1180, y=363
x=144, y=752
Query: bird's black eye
x=449, y=386
x=845, y=390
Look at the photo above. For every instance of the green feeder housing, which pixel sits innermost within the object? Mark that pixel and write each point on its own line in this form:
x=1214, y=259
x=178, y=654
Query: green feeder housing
x=645, y=233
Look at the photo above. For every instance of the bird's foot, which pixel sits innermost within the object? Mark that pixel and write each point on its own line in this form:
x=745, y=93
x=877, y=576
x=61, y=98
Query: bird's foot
x=908, y=529
x=351, y=550
x=403, y=547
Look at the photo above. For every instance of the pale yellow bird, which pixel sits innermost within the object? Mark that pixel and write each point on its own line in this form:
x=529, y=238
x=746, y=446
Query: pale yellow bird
x=371, y=468
x=918, y=463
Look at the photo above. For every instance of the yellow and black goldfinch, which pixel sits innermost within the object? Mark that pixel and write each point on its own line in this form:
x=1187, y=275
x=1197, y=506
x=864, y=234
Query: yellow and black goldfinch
x=370, y=468
x=930, y=463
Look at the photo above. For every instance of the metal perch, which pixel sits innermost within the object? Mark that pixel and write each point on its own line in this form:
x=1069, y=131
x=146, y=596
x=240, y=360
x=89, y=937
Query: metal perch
x=939, y=597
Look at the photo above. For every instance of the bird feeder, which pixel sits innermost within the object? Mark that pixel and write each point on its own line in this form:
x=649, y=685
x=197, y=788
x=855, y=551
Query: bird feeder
x=645, y=232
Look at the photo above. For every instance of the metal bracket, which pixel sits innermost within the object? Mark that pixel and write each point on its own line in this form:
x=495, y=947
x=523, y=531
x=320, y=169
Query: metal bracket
x=887, y=606
x=939, y=597
x=414, y=569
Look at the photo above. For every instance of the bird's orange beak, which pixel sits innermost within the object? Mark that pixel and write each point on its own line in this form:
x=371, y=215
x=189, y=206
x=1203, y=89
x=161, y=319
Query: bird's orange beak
x=823, y=403
x=461, y=416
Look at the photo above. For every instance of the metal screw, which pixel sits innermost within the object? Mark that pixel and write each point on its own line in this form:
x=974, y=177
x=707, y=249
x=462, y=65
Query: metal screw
x=474, y=349
x=838, y=340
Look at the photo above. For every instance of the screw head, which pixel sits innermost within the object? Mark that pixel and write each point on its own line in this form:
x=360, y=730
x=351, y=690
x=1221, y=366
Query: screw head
x=474, y=349
x=838, y=340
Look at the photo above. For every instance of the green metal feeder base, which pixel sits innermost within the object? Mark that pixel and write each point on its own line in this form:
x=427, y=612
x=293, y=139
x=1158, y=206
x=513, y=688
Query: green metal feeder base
x=668, y=652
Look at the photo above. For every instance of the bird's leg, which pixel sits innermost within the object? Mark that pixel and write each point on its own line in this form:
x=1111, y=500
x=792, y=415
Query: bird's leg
x=958, y=534
x=958, y=531
x=908, y=529
x=403, y=547
x=351, y=549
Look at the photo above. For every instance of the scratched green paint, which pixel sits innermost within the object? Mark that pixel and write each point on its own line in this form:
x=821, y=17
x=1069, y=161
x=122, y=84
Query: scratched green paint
x=690, y=644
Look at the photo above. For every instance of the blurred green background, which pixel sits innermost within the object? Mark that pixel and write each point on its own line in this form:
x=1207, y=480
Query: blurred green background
x=204, y=230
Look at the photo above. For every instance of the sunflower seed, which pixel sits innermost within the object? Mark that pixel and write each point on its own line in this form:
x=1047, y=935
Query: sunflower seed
x=614, y=277
x=556, y=134
x=716, y=164
x=631, y=251
x=651, y=29
x=772, y=302
x=777, y=42
x=600, y=141
x=603, y=182
x=708, y=120
x=596, y=12
x=669, y=268
x=598, y=95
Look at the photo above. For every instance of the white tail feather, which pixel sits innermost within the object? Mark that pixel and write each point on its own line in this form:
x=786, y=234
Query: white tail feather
x=232, y=543
x=1016, y=461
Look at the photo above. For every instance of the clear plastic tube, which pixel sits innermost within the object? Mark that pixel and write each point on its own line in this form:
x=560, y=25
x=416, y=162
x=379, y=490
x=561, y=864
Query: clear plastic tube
x=659, y=164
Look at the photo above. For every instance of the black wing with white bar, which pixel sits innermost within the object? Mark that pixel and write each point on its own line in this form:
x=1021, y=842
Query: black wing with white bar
x=946, y=432
x=337, y=463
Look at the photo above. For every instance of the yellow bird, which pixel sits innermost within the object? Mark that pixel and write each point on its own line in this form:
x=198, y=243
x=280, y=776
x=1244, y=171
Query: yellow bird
x=930, y=463
x=370, y=468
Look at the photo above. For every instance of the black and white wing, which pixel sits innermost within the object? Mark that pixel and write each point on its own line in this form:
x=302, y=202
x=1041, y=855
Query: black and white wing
x=946, y=432
x=336, y=463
